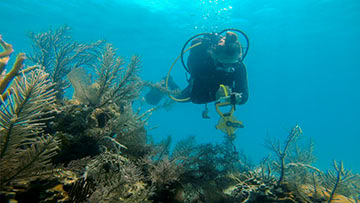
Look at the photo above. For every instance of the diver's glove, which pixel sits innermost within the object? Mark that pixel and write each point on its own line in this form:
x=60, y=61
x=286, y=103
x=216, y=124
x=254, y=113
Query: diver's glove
x=238, y=97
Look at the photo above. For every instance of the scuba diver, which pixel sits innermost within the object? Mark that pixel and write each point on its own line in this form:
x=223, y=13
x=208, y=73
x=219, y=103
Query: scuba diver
x=216, y=66
x=217, y=74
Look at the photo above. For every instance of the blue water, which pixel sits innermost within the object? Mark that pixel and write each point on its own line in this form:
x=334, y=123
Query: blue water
x=303, y=64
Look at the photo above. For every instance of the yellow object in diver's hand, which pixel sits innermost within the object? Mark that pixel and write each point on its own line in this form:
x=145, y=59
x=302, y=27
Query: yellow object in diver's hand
x=227, y=122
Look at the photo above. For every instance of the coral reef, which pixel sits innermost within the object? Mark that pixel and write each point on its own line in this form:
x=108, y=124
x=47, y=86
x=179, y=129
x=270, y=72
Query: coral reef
x=94, y=147
x=311, y=184
x=118, y=179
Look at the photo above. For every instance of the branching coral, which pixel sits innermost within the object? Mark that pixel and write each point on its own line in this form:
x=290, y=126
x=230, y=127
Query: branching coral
x=306, y=181
x=164, y=169
x=282, y=153
x=165, y=172
x=4, y=58
x=24, y=152
x=299, y=162
x=59, y=54
x=113, y=91
x=200, y=168
x=265, y=169
x=111, y=94
x=340, y=180
x=302, y=153
x=119, y=180
x=130, y=127
x=114, y=83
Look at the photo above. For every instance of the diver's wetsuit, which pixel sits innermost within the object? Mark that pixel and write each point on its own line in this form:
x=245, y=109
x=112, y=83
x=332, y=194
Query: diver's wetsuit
x=206, y=79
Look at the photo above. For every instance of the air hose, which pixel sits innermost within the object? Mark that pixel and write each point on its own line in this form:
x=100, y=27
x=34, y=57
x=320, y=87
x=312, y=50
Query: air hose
x=172, y=66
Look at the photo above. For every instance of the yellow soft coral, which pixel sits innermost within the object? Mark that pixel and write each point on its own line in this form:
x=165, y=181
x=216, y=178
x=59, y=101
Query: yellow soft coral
x=4, y=59
x=5, y=55
x=6, y=78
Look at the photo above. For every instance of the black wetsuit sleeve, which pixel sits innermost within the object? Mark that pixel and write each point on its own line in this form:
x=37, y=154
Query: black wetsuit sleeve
x=241, y=83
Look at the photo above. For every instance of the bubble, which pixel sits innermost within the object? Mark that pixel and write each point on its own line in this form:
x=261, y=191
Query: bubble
x=214, y=14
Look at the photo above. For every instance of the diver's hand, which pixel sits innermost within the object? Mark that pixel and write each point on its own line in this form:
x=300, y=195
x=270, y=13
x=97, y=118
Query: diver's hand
x=238, y=97
x=233, y=98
